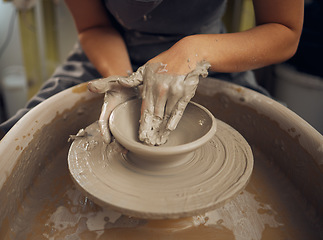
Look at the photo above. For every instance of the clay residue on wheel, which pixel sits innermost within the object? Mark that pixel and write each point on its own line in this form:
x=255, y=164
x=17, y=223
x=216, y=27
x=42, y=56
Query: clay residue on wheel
x=212, y=175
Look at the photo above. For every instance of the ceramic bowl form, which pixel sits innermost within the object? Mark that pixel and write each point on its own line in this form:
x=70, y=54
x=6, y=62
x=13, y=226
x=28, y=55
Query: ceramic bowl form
x=196, y=127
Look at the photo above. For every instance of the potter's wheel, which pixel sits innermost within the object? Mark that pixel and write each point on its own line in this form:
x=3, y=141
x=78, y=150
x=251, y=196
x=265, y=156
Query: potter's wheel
x=215, y=173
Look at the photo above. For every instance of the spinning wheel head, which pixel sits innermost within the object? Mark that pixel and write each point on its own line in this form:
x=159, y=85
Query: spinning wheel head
x=201, y=166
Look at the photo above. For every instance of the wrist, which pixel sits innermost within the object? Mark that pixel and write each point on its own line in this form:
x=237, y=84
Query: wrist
x=191, y=51
x=184, y=55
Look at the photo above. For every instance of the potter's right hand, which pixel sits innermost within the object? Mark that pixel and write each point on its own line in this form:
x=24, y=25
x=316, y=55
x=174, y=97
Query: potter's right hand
x=115, y=94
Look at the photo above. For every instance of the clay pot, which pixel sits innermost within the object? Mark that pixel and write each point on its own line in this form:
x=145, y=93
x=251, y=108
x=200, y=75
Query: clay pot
x=195, y=129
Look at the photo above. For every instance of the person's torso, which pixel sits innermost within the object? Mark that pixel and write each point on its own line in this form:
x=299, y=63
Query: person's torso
x=152, y=26
x=166, y=16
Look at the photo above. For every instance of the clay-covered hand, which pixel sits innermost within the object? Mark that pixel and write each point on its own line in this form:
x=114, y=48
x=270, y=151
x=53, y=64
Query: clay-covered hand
x=115, y=94
x=164, y=99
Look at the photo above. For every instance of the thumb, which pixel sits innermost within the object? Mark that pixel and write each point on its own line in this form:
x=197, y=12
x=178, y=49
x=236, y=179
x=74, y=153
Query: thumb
x=103, y=123
x=104, y=84
x=135, y=79
x=200, y=70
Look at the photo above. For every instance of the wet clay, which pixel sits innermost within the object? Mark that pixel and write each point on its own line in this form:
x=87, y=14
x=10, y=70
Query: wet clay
x=270, y=207
x=206, y=178
x=164, y=98
x=283, y=199
x=196, y=128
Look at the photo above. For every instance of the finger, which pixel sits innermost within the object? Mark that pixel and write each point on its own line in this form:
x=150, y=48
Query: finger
x=135, y=79
x=191, y=80
x=171, y=106
x=190, y=84
x=148, y=122
x=162, y=95
x=140, y=90
x=154, y=97
x=201, y=69
x=176, y=93
x=179, y=102
x=147, y=105
x=146, y=119
x=161, y=135
x=120, y=95
x=177, y=114
x=103, y=123
x=103, y=85
x=111, y=100
x=183, y=92
x=150, y=135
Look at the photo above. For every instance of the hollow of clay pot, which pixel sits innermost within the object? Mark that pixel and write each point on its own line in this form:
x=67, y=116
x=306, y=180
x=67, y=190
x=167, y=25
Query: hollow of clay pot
x=197, y=127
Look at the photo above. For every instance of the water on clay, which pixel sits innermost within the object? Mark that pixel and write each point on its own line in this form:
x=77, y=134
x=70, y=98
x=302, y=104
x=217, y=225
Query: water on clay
x=269, y=208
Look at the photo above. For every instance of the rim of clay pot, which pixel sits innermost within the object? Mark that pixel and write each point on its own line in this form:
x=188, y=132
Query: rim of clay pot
x=156, y=152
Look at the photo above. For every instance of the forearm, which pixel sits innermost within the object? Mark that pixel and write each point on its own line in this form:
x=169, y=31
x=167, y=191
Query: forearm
x=106, y=50
x=273, y=40
x=235, y=52
x=102, y=44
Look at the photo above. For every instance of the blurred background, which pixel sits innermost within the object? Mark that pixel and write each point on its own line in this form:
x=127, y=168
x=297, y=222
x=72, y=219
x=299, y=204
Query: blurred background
x=37, y=35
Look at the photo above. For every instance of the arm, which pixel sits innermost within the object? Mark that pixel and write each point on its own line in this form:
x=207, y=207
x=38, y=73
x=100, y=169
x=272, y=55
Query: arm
x=107, y=51
x=273, y=40
x=102, y=44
